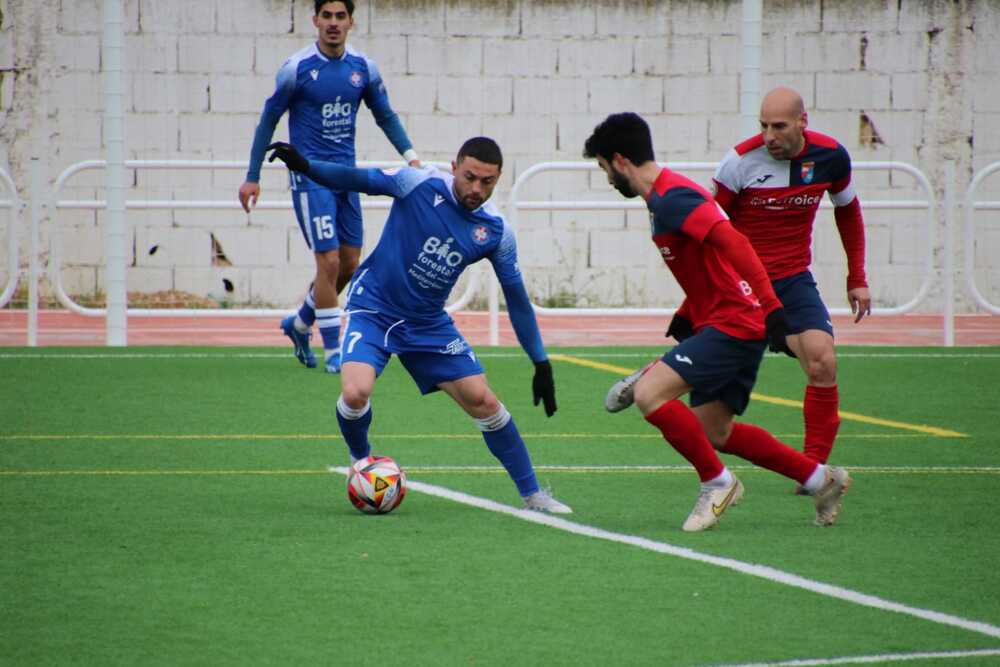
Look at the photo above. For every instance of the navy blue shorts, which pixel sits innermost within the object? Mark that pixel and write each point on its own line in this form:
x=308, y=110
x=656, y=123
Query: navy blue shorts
x=718, y=367
x=329, y=219
x=803, y=306
x=431, y=353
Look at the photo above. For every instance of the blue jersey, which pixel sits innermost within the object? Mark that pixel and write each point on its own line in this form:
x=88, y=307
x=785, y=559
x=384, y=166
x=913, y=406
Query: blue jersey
x=322, y=96
x=428, y=241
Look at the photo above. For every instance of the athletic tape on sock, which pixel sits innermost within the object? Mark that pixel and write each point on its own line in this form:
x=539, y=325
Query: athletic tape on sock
x=494, y=422
x=347, y=412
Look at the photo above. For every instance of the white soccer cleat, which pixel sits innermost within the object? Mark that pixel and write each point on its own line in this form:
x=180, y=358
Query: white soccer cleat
x=542, y=501
x=622, y=393
x=831, y=495
x=710, y=506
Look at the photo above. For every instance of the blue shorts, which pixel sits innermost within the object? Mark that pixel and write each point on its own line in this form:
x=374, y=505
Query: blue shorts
x=803, y=306
x=329, y=219
x=431, y=353
x=718, y=367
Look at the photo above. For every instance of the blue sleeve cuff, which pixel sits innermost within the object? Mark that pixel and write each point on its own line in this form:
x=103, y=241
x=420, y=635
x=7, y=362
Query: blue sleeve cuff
x=522, y=318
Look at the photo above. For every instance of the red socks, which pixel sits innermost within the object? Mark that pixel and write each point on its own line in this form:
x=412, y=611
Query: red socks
x=822, y=421
x=681, y=428
x=761, y=448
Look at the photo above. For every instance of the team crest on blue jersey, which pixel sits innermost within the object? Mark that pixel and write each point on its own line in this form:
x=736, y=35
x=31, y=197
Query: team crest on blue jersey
x=356, y=79
x=480, y=234
x=808, y=170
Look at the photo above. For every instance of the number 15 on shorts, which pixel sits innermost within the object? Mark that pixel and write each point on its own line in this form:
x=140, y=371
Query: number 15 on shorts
x=324, y=226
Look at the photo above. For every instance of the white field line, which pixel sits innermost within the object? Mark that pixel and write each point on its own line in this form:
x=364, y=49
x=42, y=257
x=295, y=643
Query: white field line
x=483, y=355
x=869, y=659
x=762, y=571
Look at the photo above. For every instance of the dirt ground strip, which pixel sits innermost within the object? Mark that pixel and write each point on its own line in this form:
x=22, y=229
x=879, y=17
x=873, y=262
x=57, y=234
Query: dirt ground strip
x=63, y=328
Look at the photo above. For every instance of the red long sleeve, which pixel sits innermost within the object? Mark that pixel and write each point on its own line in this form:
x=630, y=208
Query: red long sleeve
x=737, y=250
x=852, y=234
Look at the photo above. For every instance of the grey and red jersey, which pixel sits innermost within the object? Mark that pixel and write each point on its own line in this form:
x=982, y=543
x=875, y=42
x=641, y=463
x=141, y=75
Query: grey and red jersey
x=774, y=202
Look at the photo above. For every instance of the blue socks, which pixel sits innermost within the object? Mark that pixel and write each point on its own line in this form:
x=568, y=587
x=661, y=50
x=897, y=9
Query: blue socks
x=307, y=311
x=506, y=445
x=328, y=321
x=499, y=432
x=354, y=427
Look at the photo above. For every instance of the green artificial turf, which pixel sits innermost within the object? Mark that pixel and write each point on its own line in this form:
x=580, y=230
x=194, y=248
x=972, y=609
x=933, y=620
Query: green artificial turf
x=173, y=506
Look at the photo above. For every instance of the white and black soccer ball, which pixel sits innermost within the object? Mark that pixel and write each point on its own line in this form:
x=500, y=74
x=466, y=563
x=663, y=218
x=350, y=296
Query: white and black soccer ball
x=376, y=485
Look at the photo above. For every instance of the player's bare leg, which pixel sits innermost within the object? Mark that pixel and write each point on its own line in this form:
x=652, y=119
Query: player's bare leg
x=821, y=405
x=350, y=257
x=656, y=395
x=474, y=395
x=354, y=410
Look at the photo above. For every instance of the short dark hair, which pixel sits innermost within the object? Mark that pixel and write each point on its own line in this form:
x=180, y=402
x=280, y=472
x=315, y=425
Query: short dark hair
x=624, y=133
x=347, y=3
x=483, y=149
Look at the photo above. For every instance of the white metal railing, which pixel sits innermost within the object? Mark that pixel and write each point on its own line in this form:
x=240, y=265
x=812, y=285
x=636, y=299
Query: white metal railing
x=515, y=204
x=14, y=205
x=55, y=258
x=970, y=207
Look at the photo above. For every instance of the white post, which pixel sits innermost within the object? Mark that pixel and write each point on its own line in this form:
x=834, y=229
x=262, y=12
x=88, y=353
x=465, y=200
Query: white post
x=37, y=192
x=115, y=228
x=948, y=265
x=750, y=82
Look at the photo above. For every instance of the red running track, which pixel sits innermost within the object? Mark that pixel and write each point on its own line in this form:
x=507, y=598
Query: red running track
x=64, y=328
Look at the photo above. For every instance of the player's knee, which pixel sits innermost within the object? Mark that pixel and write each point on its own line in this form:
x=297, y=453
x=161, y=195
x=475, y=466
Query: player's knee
x=355, y=395
x=822, y=369
x=647, y=396
x=328, y=265
x=481, y=403
x=718, y=434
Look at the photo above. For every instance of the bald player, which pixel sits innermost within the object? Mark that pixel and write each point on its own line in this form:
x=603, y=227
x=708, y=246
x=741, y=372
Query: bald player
x=771, y=186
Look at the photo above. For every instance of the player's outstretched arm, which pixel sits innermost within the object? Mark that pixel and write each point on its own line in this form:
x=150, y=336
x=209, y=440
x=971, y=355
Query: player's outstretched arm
x=392, y=182
x=522, y=318
x=330, y=174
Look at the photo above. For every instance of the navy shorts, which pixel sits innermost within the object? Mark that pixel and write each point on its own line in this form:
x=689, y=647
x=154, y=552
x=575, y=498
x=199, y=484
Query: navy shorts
x=718, y=367
x=329, y=219
x=803, y=306
x=431, y=353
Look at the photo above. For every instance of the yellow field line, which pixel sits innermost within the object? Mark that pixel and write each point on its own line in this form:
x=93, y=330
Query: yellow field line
x=847, y=416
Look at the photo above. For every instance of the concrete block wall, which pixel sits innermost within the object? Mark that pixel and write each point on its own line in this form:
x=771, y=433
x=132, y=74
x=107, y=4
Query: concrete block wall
x=537, y=76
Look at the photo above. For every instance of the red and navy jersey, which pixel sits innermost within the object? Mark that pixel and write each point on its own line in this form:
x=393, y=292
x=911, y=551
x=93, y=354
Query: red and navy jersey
x=774, y=202
x=682, y=213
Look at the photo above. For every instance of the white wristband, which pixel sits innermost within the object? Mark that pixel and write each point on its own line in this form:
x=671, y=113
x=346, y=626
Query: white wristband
x=410, y=155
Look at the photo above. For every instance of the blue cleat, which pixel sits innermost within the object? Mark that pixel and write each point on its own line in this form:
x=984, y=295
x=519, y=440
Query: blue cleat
x=333, y=362
x=300, y=341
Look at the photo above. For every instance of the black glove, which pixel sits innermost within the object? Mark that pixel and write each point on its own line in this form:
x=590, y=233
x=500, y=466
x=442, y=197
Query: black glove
x=287, y=154
x=543, y=387
x=777, y=331
x=680, y=328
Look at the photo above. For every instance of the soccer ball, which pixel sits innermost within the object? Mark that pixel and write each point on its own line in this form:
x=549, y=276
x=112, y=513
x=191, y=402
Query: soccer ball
x=376, y=485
